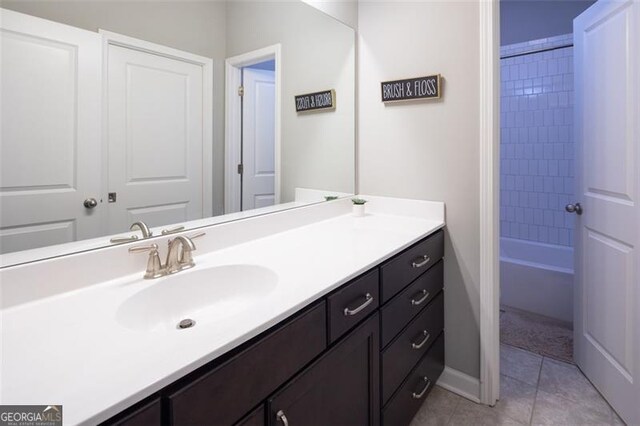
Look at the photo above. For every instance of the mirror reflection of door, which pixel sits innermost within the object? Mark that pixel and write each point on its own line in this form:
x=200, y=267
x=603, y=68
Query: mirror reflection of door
x=258, y=136
x=50, y=114
x=156, y=139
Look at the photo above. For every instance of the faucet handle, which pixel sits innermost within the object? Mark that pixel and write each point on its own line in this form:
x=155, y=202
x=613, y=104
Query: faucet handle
x=154, y=264
x=142, y=249
x=119, y=240
x=172, y=230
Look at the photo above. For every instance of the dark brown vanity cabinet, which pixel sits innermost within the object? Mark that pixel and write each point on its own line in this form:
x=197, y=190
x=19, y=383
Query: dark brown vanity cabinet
x=340, y=388
x=412, y=328
x=367, y=353
x=148, y=413
x=226, y=393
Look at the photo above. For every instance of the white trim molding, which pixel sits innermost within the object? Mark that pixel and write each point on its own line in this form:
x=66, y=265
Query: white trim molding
x=489, y=201
x=460, y=383
x=233, y=111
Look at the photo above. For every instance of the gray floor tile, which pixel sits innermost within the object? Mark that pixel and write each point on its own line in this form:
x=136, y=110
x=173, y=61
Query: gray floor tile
x=437, y=409
x=426, y=418
x=617, y=421
x=520, y=364
x=516, y=399
x=567, y=381
x=469, y=413
x=552, y=409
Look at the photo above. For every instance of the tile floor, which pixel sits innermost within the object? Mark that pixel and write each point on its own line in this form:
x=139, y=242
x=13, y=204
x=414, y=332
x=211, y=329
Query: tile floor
x=535, y=390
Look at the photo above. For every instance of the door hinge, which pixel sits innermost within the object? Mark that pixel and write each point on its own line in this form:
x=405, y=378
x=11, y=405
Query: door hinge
x=240, y=169
x=241, y=91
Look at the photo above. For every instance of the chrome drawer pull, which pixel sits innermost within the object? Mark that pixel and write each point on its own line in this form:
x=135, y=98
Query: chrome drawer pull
x=424, y=294
x=426, y=335
x=367, y=302
x=282, y=418
x=424, y=390
x=420, y=261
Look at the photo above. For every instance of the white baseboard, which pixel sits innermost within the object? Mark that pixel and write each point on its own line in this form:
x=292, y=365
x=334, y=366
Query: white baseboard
x=460, y=383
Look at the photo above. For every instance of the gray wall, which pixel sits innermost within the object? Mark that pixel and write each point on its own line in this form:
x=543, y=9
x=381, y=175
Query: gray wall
x=318, y=53
x=428, y=150
x=345, y=11
x=524, y=20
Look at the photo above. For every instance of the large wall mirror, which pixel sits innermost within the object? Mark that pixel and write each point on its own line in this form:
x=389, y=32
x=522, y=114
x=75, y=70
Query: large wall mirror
x=172, y=113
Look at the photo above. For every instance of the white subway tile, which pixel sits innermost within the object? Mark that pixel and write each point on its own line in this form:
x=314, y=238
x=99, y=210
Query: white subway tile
x=543, y=234
x=538, y=217
x=538, y=184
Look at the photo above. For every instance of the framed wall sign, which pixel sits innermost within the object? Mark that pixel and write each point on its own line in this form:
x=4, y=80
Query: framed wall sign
x=411, y=89
x=324, y=100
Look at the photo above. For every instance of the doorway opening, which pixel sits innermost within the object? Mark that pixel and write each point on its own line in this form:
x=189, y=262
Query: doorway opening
x=537, y=182
x=252, y=130
x=567, y=332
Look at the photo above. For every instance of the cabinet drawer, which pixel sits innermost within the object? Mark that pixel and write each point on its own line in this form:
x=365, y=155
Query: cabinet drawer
x=412, y=343
x=406, y=266
x=255, y=418
x=406, y=305
x=407, y=401
x=223, y=395
x=351, y=304
x=147, y=415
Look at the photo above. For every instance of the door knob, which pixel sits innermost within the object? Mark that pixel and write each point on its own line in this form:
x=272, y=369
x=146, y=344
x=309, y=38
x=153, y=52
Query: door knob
x=90, y=203
x=574, y=208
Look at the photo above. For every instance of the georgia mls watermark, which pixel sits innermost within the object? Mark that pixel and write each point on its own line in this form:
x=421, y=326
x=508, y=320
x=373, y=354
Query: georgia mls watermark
x=30, y=415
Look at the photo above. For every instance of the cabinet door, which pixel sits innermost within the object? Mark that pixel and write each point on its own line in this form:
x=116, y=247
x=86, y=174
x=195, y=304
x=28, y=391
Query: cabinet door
x=341, y=388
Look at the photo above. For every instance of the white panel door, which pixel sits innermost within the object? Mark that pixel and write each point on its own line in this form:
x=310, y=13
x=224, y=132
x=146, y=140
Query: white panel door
x=50, y=137
x=607, y=317
x=258, y=138
x=155, y=138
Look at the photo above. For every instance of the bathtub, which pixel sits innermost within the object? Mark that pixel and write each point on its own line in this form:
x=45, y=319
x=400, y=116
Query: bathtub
x=537, y=277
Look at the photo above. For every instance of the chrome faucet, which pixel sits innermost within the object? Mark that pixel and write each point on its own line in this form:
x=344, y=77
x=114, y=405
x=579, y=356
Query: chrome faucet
x=177, y=259
x=179, y=256
x=146, y=233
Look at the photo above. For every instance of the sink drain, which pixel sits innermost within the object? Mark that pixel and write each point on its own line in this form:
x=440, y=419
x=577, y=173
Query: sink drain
x=186, y=323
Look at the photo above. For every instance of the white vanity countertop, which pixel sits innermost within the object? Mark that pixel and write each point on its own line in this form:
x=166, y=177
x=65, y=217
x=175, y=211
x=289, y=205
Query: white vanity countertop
x=70, y=349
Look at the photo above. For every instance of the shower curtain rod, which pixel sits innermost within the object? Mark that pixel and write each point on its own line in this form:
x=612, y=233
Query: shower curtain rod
x=530, y=52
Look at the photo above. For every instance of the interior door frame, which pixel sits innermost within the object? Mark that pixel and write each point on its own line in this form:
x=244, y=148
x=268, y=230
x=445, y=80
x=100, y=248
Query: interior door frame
x=114, y=39
x=489, y=288
x=233, y=121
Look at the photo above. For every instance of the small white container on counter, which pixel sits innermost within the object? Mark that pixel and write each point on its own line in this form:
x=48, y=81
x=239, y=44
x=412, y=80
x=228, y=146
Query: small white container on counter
x=358, y=210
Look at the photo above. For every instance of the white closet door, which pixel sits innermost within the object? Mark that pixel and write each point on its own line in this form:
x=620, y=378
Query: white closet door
x=258, y=138
x=50, y=146
x=607, y=317
x=155, y=138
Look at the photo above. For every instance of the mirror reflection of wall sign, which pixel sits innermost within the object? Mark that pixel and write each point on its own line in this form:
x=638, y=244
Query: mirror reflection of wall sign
x=411, y=89
x=316, y=101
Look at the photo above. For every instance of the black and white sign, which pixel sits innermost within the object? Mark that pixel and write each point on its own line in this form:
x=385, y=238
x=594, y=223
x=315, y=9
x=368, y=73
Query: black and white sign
x=315, y=101
x=411, y=88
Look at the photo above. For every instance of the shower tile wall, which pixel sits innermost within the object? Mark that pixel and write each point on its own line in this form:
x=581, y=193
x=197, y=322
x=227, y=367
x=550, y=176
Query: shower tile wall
x=537, y=149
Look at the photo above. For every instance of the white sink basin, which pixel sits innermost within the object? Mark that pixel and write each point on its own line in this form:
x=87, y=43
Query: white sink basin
x=203, y=295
